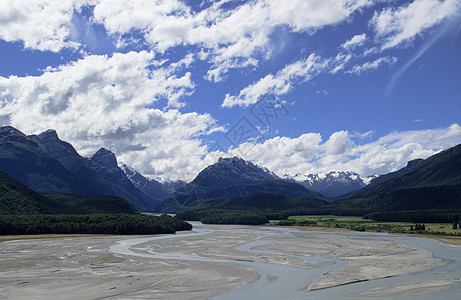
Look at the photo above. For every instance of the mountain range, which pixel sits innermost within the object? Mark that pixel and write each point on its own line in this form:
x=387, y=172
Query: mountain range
x=332, y=184
x=45, y=164
x=232, y=177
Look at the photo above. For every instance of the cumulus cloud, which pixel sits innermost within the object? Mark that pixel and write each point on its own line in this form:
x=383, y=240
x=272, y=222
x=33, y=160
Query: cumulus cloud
x=111, y=102
x=42, y=25
x=235, y=37
x=346, y=151
x=401, y=25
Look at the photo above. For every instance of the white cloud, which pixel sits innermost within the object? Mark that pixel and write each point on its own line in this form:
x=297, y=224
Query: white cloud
x=300, y=71
x=233, y=38
x=447, y=28
x=403, y=24
x=110, y=101
x=282, y=155
x=373, y=65
x=40, y=24
x=236, y=38
x=345, y=151
x=303, y=15
x=278, y=84
x=339, y=62
x=355, y=41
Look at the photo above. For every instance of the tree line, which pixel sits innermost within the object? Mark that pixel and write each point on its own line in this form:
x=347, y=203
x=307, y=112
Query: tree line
x=223, y=216
x=416, y=216
x=91, y=224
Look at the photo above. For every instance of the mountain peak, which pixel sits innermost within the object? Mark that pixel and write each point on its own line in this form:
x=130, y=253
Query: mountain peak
x=50, y=143
x=48, y=136
x=49, y=133
x=235, y=159
x=105, y=158
x=233, y=171
x=9, y=131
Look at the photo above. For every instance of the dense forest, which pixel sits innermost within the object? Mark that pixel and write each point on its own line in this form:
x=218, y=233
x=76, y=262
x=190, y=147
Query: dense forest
x=91, y=224
x=24, y=211
x=260, y=202
x=423, y=216
x=74, y=204
x=222, y=216
x=253, y=209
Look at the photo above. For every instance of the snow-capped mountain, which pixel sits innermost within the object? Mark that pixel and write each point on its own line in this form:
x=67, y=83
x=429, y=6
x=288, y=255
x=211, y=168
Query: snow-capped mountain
x=231, y=177
x=332, y=184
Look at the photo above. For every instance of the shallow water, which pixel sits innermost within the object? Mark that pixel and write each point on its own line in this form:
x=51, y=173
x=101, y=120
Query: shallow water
x=286, y=282
x=450, y=271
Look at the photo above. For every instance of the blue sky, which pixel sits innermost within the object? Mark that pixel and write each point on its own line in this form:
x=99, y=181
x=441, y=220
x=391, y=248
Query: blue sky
x=300, y=87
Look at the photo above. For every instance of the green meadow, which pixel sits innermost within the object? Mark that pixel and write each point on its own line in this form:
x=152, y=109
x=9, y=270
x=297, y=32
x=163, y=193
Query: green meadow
x=360, y=224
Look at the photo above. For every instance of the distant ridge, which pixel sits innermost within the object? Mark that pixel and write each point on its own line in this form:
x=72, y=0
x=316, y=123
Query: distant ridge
x=155, y=190
x=332, y=184
x=231, y=177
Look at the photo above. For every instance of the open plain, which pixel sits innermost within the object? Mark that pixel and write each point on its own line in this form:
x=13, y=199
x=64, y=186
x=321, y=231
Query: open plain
x=231, y=262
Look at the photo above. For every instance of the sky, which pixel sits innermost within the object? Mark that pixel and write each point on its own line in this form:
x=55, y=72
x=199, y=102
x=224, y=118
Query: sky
x=299, y=87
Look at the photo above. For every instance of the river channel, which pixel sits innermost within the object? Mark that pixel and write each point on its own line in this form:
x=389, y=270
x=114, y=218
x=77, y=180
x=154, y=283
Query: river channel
x=320, y=254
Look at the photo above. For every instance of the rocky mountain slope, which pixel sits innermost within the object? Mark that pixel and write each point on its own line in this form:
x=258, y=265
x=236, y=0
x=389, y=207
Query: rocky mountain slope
x=155, y=190
x=17, y=199
x=45, y=163
x=231, y=177
x=433, y=183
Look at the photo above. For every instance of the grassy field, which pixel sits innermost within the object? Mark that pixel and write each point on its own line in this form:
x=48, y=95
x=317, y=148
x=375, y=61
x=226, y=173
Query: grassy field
x=359, y=224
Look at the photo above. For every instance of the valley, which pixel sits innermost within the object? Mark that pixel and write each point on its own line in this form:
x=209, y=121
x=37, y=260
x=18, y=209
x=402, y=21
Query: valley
x=230, y=150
